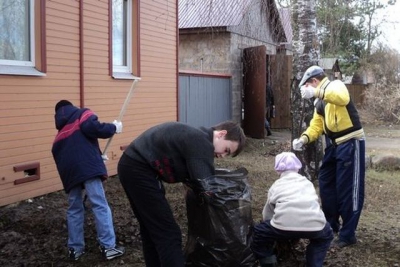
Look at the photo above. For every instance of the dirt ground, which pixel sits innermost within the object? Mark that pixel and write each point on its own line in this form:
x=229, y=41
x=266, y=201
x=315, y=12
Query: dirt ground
x=33, y=232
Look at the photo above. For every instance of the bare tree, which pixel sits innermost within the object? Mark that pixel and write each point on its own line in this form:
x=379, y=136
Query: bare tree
x=306, y=53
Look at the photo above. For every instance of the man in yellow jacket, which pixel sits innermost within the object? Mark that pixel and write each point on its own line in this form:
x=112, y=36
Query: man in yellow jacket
x=342, y=174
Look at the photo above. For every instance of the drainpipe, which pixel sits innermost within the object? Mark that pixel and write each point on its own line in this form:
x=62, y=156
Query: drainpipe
x=81, y=61
x=177, y=56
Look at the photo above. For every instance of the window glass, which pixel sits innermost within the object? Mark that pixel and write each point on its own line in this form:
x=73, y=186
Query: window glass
x=121, y=35
x=16, y=38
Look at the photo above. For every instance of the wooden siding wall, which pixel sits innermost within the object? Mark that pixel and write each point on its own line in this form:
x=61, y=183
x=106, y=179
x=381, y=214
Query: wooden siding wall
x=27, y=103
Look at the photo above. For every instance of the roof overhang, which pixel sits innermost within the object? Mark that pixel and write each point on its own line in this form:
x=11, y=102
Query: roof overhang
x=203, y=30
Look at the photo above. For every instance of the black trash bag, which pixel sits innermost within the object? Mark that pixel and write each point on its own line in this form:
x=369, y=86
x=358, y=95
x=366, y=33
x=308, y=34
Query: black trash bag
x=220, y=222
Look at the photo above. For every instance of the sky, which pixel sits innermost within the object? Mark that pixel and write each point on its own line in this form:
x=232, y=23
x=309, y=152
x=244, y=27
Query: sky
x=390, y=19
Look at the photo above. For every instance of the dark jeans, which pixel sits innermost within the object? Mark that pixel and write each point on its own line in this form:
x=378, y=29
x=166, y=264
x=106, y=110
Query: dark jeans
x=161, y=235
x=265, y=235
x=341, y=186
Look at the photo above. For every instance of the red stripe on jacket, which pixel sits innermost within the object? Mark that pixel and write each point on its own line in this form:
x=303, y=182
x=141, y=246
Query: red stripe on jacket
x=71, y=128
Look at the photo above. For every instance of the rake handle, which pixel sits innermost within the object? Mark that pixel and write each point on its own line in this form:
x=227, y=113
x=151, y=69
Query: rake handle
x=122, y=112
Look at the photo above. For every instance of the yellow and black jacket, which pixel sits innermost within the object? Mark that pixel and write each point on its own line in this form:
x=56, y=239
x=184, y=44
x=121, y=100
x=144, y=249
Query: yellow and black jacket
x=335, y=114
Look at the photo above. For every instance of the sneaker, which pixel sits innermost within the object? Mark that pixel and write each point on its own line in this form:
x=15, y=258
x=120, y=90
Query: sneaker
x=111, y=253
x=75, y=255
x=337, y=243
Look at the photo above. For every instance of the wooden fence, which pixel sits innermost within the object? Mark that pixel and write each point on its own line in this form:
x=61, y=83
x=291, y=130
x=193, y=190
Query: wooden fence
x=357, y=93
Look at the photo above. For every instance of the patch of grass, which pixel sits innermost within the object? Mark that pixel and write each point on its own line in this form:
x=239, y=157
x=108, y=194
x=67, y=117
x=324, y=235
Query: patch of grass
x=386, y=131
x=386, y=176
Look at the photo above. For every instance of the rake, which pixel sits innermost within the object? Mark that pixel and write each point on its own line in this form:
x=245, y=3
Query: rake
x=121, y=114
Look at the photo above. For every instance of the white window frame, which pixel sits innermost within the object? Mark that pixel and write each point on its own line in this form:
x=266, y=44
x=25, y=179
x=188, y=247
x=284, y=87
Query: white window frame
x=128, y=68
x=31, y=62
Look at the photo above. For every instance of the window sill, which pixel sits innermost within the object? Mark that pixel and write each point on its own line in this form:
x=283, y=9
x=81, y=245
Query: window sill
x=124, y=76
x=20, y=70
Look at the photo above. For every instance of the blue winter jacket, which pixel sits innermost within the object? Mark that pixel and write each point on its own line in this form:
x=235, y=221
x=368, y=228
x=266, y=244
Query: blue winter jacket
x=76, y=148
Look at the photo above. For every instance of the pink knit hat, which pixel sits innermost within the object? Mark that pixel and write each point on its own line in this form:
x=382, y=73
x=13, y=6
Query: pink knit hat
x=287, y=161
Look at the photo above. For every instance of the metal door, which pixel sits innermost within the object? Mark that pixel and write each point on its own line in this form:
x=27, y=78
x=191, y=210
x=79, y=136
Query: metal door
x=204, y=100
x=254, y=70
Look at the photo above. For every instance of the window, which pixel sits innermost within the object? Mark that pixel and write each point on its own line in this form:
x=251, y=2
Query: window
x=16, y=35
x=124, y=39
x=19, y=46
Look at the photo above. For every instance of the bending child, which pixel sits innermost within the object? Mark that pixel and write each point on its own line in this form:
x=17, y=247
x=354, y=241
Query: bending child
x=81, y=168
x=171, y=152
x=292, y=211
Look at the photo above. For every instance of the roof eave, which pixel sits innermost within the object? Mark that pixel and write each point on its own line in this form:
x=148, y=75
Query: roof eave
x=197, y=30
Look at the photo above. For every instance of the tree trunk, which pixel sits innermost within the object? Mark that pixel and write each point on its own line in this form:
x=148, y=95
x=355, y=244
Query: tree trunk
x=306, y=54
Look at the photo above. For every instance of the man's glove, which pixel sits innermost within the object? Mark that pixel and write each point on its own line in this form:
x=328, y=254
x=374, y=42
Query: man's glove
x=307, y=92
x=118, y=125
x=298, y=144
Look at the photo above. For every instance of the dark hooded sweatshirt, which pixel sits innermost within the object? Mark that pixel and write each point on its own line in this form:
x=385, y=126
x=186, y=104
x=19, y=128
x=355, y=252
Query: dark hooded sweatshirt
x=76, y=149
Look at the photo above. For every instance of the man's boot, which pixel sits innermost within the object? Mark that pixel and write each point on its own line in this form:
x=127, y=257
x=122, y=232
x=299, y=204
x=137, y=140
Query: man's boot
x=269, y=261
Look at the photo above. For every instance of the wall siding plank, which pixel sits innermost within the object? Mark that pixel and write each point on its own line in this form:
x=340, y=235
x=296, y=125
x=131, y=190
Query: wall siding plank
x=27, y=103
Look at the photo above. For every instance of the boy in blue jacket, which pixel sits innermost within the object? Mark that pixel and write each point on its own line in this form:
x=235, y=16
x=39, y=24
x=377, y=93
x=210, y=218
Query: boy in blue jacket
x=79, y=163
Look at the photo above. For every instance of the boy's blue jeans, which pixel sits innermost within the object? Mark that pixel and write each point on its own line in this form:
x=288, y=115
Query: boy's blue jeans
x=102, y=214
x=265, y=235
x=266, y=124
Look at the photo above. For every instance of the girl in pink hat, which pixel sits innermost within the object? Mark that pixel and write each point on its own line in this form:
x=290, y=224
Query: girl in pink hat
x=292, y=211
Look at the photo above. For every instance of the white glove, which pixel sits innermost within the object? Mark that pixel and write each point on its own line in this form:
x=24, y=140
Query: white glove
x=307, y=92
x=297, y=144
x=118, y=125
